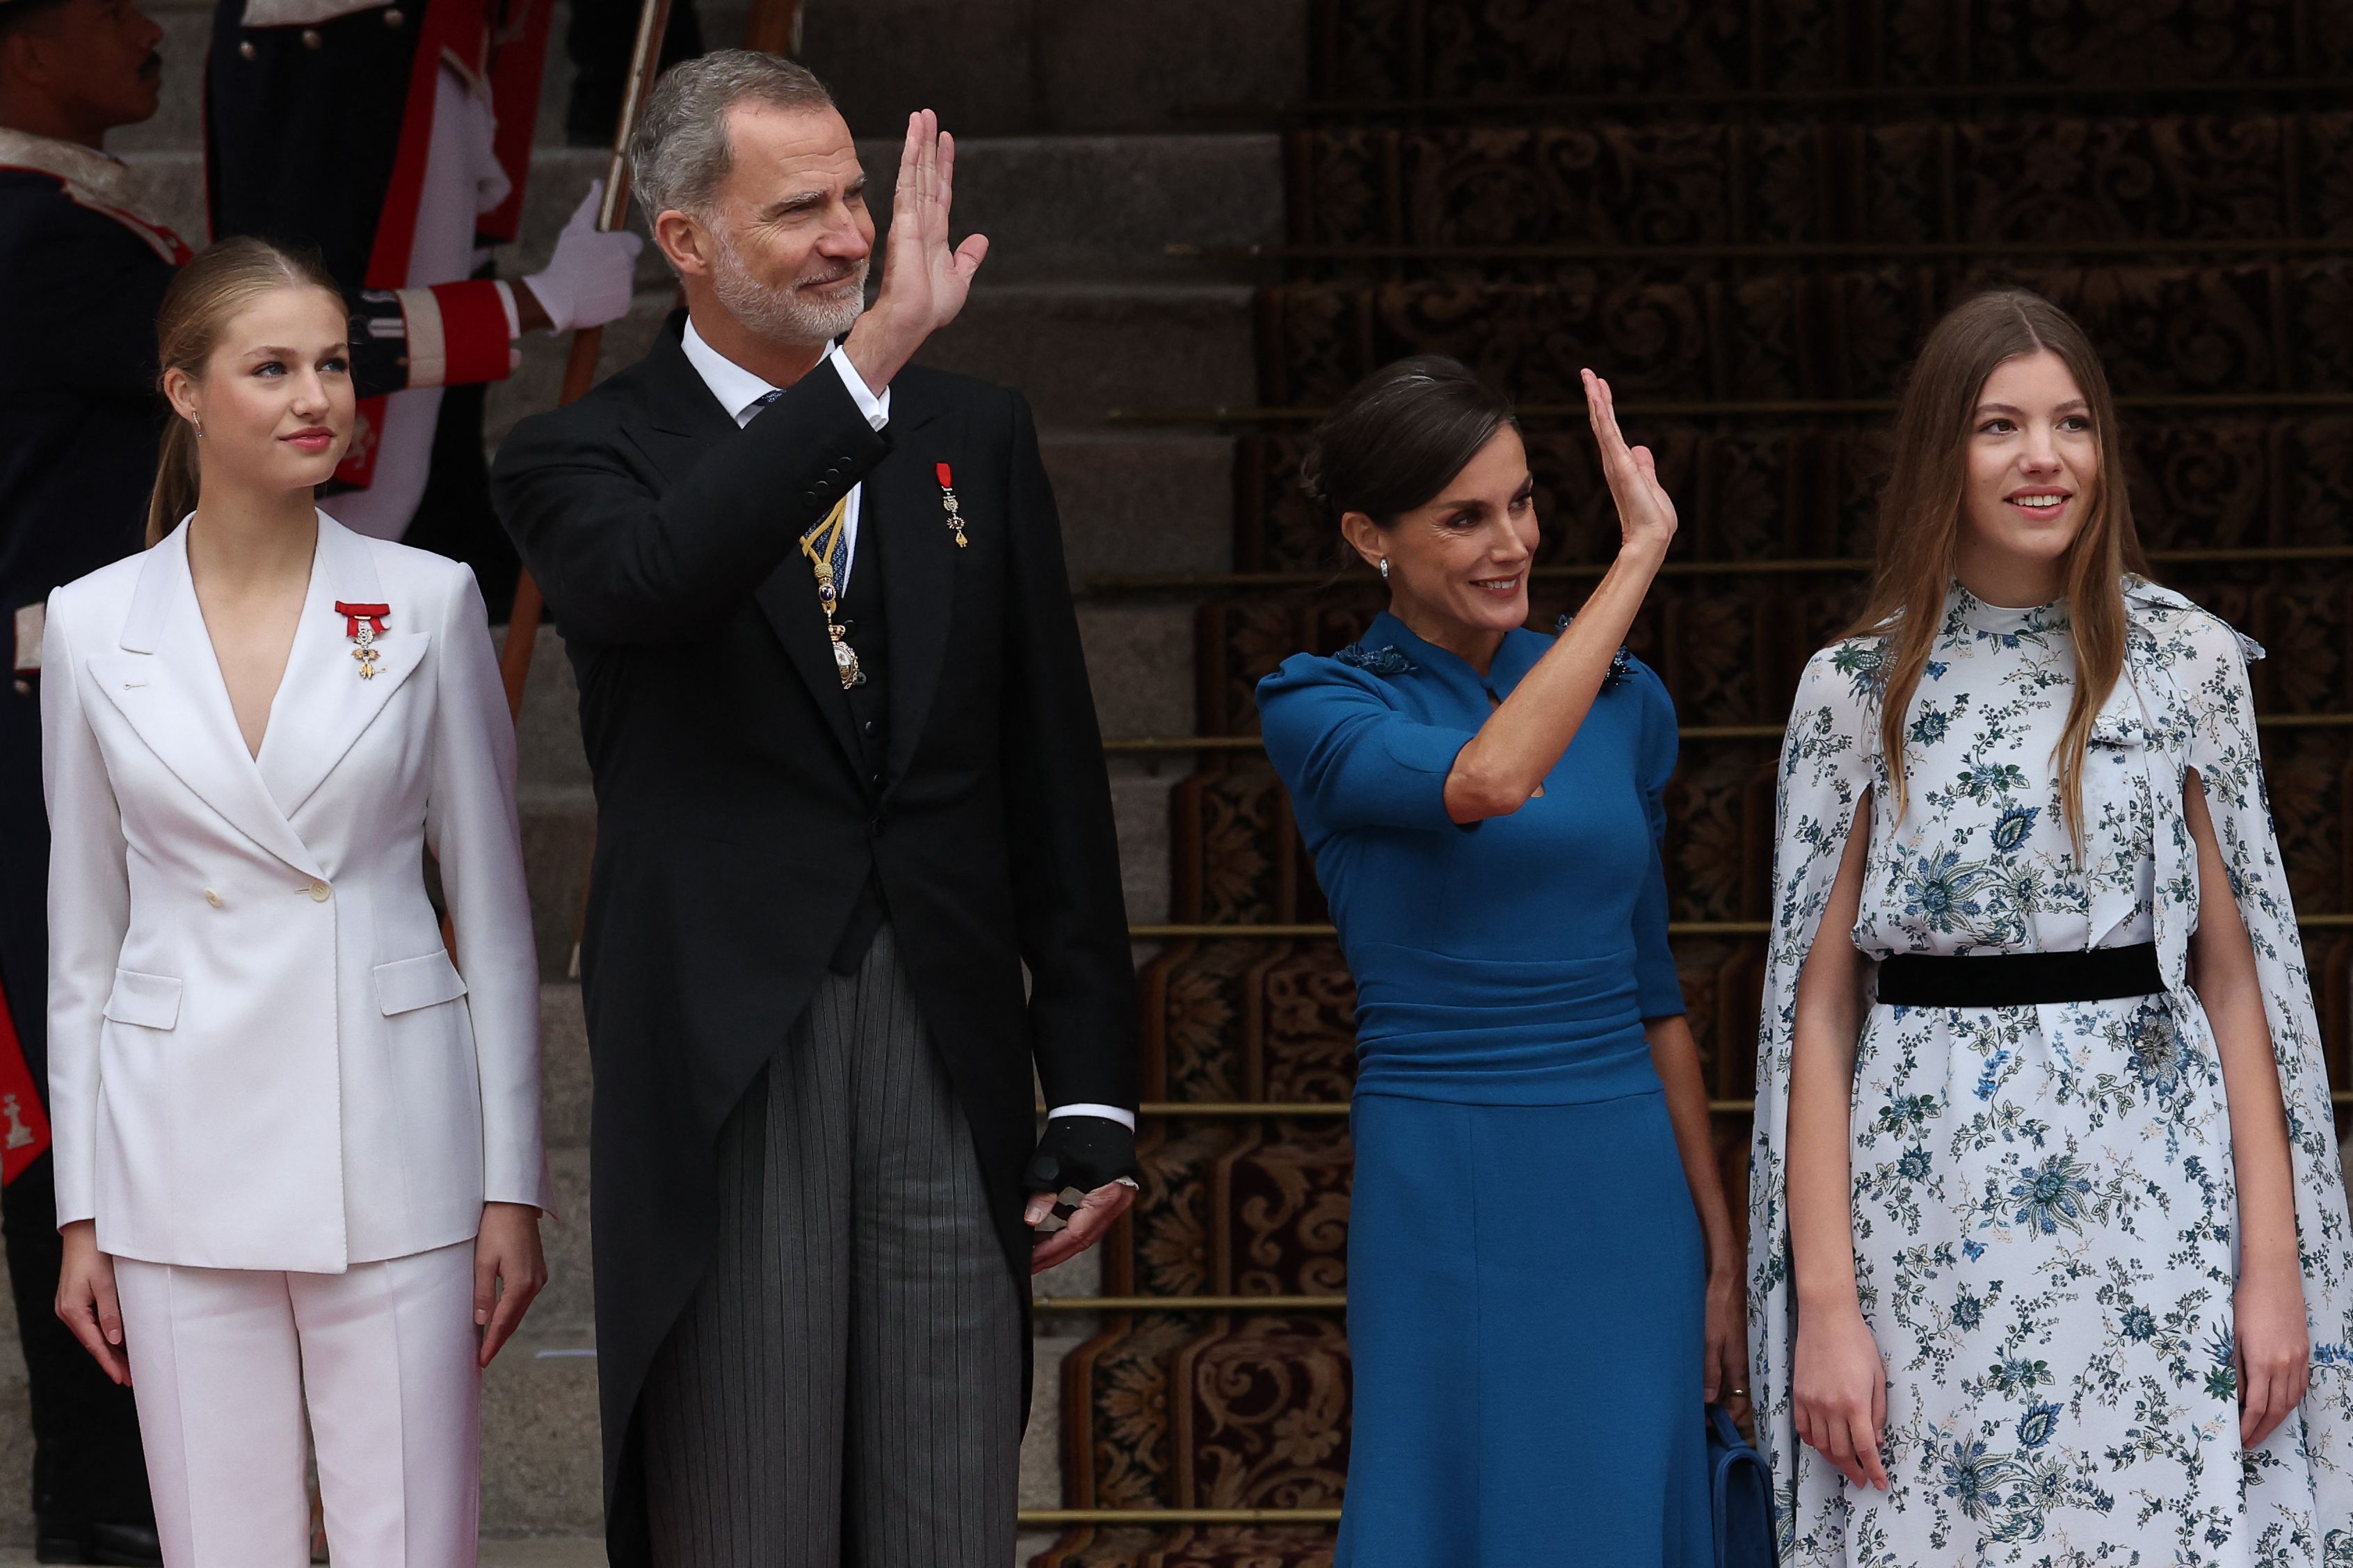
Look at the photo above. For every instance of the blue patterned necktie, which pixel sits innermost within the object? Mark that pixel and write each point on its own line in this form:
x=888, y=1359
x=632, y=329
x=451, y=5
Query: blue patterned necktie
x=838, y=557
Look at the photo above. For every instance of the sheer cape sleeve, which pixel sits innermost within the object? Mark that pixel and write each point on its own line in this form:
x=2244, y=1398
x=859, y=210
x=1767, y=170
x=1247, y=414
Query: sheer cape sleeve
x=2191, y=668
x=1830, y=758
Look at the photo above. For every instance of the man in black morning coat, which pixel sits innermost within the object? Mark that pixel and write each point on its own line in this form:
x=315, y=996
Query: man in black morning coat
x=822, y=865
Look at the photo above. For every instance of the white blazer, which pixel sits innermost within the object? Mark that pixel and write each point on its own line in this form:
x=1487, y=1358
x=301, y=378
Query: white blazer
x=260, y=1055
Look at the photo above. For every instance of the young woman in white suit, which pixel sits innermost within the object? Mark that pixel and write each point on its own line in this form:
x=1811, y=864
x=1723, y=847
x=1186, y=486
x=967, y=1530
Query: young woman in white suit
x=295, y=1143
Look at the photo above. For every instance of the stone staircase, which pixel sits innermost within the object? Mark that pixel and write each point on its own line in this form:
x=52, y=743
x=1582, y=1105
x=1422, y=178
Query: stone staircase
x=1072, y=161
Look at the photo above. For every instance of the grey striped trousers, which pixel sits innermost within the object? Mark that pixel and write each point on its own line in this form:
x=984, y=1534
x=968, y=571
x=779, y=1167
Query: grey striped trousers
x=844, y=1389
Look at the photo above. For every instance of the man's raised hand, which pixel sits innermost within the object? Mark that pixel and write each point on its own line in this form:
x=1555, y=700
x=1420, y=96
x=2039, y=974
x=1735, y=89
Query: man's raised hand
x=925, y=279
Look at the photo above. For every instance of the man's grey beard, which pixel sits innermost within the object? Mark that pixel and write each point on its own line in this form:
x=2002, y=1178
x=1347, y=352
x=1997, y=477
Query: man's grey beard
x=785, y=317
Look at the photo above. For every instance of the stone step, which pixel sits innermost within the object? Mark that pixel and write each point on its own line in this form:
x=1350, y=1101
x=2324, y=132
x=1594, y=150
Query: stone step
x=1056, y=207
x=1139, y=801
x=1064, y=66
x=178, y=121
x=540, y=1448
x=1142, y=500
x=559, y=833
x=1140, y=663
x=563, y=1551
x=542, y=1454
x=990, y=70
x=1075, y=350
x=1078, y=351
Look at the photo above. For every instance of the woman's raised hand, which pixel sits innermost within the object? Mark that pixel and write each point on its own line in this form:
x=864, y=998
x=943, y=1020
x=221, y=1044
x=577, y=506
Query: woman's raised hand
x=1646, y=514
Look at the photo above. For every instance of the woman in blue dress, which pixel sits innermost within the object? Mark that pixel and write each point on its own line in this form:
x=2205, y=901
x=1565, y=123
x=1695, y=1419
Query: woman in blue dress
x=1542, y=1284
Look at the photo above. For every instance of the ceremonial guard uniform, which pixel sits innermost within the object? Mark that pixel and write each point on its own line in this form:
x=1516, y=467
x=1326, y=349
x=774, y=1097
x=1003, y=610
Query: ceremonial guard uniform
x=82, y=272
x=397, y=140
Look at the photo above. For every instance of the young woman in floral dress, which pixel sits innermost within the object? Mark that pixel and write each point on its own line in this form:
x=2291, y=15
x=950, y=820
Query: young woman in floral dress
x=2050, y=1261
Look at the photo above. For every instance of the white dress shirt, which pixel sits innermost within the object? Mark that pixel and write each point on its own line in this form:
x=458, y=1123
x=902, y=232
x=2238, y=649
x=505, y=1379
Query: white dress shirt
x=739, y=391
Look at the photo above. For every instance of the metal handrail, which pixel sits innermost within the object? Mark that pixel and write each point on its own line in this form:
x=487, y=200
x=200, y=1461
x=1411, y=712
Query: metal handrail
x=1126, y=745
x=1581, y=105
x=1577, y=571
x=1212, y=931
x=1048, y=1518
x=1757, y=250
x=1188, y=1303
x=1795, y=407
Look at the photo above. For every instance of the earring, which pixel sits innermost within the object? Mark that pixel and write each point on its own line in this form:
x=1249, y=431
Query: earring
x=200, y=429
x=1385, y=568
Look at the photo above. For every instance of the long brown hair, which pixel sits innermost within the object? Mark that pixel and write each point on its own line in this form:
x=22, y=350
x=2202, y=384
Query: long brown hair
x=1921, y=507
x=197, y=308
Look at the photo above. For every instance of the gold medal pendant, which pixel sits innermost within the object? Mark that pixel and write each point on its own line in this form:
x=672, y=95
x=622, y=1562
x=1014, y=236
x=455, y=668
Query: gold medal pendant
x=361, y=624
x=818, y=545
x=948, y=503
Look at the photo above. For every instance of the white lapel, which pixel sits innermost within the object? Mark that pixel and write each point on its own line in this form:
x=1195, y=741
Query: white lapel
x=323, y=703
x=166, y=683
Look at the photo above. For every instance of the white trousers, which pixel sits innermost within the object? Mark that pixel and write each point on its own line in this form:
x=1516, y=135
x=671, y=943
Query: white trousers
x=224, y=1361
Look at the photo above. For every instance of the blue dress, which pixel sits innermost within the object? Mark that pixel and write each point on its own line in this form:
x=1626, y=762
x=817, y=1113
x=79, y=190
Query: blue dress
x=1525, y=1271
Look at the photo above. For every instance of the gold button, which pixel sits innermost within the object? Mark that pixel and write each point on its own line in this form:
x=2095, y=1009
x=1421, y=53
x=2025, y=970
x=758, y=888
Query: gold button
x=212, y=898
x=245, y=49
x=318, y=893
x=392, y=17
x=310, y=39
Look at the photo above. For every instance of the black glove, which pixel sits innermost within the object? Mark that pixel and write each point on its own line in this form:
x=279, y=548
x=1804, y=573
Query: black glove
x=1076, y=1154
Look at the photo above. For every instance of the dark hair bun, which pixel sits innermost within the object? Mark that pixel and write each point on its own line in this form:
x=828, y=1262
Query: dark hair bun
x=1399, y=436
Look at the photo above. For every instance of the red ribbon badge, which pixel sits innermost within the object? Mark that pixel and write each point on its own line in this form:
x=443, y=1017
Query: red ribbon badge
x=948, y=503
x=24, y=1125
x=354, y=614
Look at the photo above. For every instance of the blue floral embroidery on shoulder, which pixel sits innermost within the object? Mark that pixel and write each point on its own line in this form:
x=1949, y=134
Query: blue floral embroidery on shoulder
x=1384, y=660
x=1621, y=663
x=1864, y=663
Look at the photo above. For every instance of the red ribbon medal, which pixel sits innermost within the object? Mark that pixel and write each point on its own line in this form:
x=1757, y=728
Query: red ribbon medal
x=948, y=500
x=24, y=1127
x=364, y=624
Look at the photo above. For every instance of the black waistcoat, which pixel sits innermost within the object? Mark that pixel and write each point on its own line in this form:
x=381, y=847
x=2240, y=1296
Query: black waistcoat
x=867, y=622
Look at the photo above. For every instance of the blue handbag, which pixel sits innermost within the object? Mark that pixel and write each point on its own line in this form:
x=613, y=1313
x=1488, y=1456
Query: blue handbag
x=1741, y=1495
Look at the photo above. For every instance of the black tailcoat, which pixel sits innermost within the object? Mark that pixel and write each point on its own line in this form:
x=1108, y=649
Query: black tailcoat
x=80, y=418
x=736, y=827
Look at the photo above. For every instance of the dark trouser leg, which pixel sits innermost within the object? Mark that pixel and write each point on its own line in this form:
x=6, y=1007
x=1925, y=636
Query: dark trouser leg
x=88, y=1466
x=935, y=1328
x=743, y=1406
x=853, y=1360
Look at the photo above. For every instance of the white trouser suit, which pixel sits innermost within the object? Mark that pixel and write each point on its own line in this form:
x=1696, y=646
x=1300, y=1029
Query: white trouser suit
x=272, y=1089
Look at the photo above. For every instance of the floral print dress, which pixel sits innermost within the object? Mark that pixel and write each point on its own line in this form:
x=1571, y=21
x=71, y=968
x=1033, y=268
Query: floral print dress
x=2043, y=1207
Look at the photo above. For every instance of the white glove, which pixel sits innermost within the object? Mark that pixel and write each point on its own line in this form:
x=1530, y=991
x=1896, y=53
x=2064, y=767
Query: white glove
x=588, y=279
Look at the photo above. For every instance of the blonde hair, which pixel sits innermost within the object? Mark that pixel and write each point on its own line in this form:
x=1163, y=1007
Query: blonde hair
x=197, y=308
x=1921, y=508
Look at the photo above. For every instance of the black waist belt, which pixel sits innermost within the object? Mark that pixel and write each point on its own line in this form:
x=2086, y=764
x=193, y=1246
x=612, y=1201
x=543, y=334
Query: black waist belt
x=2018, y=979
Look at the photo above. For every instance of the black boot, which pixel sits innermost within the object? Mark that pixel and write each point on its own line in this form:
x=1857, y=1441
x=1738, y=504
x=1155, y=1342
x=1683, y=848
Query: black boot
x=134, y=1545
